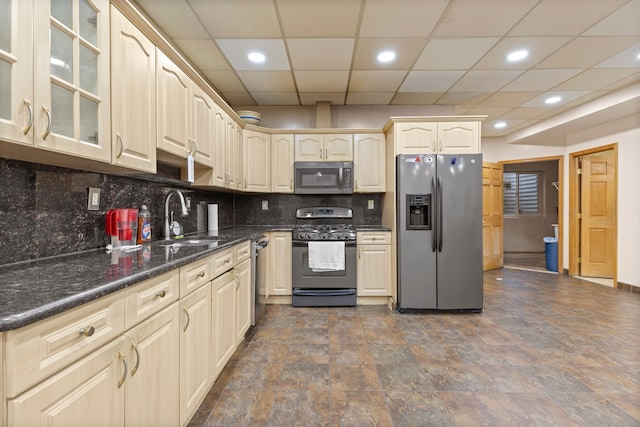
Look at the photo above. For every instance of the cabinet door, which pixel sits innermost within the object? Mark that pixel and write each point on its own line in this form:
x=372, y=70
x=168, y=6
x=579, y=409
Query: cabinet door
x=173, y=107
x=202, y=126
x=279, y=274
x=220, y=145
x=374, y=270
x=257, y=162
x=237, y=157
x=16, y=71
x=338, y=148
x=229, y=152
x=309, y=148
x=153, y=352
x=416, y=138
x=282, y=163
x=459, y=137
x=223, y=315
x=244, y=299
x=72, y=79
x=133, y=97
x=195, y=346
x=369, y=163
x=88, y=392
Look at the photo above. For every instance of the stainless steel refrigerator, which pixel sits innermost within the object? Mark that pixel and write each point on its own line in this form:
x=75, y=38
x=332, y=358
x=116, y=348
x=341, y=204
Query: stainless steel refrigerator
x=439, y=232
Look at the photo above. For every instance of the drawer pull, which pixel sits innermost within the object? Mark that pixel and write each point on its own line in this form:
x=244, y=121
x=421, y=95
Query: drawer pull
x=87, y=332
x=186, y=313
x=201, y=274
x=27, y=128
x=227, y=261
x=135, y=348
x=161, y=294
x=126, y=368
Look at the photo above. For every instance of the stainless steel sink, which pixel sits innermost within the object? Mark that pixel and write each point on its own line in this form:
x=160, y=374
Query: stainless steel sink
x=189, y=242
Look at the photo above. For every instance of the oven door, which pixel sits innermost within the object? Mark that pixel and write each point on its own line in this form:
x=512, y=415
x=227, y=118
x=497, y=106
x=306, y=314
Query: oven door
x=305, y=278
x=323, y=178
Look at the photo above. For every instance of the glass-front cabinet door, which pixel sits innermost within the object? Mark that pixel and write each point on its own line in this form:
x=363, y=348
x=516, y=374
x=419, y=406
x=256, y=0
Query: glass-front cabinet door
x=72, y=77
x=16, y=71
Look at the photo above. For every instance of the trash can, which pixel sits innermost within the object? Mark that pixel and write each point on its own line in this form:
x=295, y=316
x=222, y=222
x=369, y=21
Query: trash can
x=551, y=252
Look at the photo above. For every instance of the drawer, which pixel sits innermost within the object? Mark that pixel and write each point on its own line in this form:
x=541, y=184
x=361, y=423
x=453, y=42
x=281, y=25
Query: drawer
x=38, y=350
x=194, y=275
x=374, y=237
x=243, y=251
x=151, y=296
x=223, y=261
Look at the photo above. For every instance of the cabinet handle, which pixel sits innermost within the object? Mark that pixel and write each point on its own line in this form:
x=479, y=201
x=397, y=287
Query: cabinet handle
x=245, y=184
x=186, y=313
x=126, y=368
x=135, y=348
x=119, y=139
x=27, y=128
x=433, y=145
x=47, y=131
x=358, y=253
x=87, y=332
x=291, y=184
x=195, y=147
x=201, y=274
x=440, y=147
x=227, y=261
x=161, y=294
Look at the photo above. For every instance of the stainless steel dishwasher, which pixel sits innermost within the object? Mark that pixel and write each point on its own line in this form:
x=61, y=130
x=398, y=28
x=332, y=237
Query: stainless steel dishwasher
x=259, y=277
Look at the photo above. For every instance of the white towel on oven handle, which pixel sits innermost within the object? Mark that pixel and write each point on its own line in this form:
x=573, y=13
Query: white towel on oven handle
x=326, y=256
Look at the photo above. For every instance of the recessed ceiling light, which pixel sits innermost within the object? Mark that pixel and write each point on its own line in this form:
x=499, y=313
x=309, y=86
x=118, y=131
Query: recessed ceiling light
x=638, y=56
x=517, y=55
x=256, y=57
x=500, y=125
x=553, y=100
x=386, y=56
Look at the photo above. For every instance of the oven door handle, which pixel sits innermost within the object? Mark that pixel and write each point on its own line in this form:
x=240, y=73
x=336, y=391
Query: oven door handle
x=324, y=292
x=341, y=177
x=305, y=243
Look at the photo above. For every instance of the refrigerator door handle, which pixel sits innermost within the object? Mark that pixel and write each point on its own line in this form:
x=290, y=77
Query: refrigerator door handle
x=440, y=215
x=434, y=233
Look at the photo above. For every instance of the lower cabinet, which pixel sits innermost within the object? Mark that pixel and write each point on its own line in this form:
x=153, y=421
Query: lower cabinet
x=244, y=300
x=195, y=336
x=279, y=266
x=223, y=318
x=374, y=264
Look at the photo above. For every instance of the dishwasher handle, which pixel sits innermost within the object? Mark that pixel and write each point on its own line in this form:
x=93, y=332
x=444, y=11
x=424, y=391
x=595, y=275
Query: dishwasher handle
x=261, y=244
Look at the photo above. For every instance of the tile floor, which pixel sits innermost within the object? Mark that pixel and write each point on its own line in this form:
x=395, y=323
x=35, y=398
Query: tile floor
x=548, y=350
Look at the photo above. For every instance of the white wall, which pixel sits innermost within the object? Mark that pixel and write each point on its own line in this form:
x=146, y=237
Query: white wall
x=626, y=133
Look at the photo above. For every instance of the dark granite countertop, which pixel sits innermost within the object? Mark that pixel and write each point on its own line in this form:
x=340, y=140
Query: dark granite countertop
x=372, y=228
x=34, y=290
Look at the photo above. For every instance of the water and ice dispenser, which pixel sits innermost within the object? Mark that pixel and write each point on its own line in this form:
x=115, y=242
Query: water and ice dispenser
x=418, y=211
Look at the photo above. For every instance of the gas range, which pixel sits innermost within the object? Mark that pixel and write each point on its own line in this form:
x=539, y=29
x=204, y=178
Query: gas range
x=324, y=223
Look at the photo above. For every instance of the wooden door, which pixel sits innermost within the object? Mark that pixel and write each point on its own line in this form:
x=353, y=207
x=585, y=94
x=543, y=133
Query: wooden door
x=492, y=216
x=598, y=212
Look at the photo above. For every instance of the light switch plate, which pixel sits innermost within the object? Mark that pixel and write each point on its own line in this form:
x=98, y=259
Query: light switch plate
x=370, y=205
x=93, y=203
x=265, y=205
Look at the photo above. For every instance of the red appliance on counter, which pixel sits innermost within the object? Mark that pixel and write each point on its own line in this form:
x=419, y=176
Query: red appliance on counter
x=122, y=226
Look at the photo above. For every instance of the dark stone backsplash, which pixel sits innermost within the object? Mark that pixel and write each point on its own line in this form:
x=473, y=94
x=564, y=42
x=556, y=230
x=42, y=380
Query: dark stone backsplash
x=43, y=209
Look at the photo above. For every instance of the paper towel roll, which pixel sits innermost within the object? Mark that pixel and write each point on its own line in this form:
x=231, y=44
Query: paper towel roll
x=213, y=217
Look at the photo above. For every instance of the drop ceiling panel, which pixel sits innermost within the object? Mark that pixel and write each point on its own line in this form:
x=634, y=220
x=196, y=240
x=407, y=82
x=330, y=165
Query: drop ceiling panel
x=585, y=52
x=412, y=18
x=540, y=80
x=487, y=80
x=309, y=98
x=236, y=51
x=407, y=50
x=538, y=47
x=467, y=99
x=268, y=81
x=430, y=81
x=628, y=58
x=567, y=96
x=623, y=22
x=322, y=81
x=369, y=98
x=491, y=113
x=473, y=18
x=416, y=98
x=376, y=81
x=276, y=98
x=175, y=17
x=596, y=78
x=225, y=80
x=238, y=19
x=509, y=99
x=564, y=17
x=324, y=19
x=522, y=113
x=453, y=53
x=238, y=98
x=321, y=54
x=204, y=53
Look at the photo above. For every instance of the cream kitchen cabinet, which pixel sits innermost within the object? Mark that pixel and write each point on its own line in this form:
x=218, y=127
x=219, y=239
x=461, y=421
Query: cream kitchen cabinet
x=244, y=299
x=238, y=160
x=195, y=347
x=374, y=264
x=282, y=163
x=256, y=165
x=202, y=126
x=219, y=177
x=230, y=152
x=133, y=97
x=447, y=137
x=323, y=148
x=279, y=267
x=223, y=320
x=369, y=163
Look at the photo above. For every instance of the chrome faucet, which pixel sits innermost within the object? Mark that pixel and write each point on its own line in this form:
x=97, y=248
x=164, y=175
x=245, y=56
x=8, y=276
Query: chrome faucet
x=183, y=206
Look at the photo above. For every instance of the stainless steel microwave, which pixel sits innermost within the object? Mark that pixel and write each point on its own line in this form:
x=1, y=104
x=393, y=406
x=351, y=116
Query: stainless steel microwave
x=323, y=177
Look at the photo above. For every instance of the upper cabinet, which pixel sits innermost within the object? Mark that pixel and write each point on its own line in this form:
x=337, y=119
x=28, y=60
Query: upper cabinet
x=133, y=98
x=202, y=126
x=445, y=137
x=16, y=71
x=281, y=163
x=173, y=94
x=256, y=163
x=324, y=148
x=369, y=163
